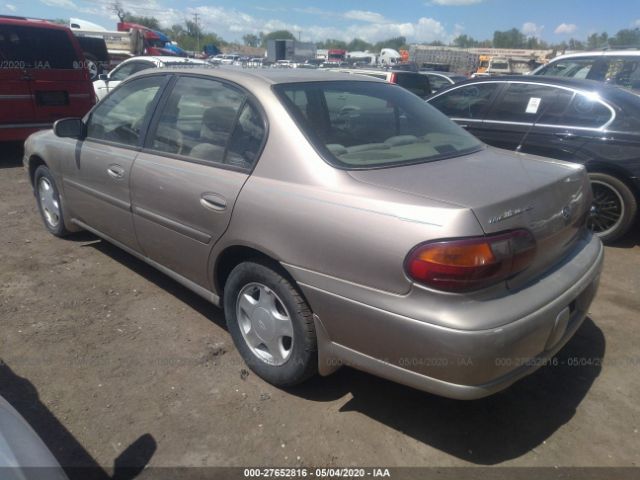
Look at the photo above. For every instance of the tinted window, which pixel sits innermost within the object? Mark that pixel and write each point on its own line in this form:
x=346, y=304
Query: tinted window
x=585, y=111
x=470, y=101
x=197, y=119
x=523, y=102
x=120, y=117
x=570, y=67
x=414, y=82
x=438, y=82
x=624, y=72
x=370, y=124
x=41, y=48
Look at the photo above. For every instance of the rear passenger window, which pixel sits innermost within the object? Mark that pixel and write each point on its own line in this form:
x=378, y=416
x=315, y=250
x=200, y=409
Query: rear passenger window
x=414, y=82
x=197, y=119
x=120, y=117
x=528, y=103
x=570, y=67
x=624, y=72
x=586, y=112
x=471, y=101
x=42, y=48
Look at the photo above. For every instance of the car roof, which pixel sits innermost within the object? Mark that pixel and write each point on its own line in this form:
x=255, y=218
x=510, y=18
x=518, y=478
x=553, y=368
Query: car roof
x=31, y=22
x=597, y=53
x=272, y=76
x=164, y=59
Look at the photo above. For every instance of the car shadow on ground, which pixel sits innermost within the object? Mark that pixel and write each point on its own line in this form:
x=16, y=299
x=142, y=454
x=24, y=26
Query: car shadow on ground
x=485, y=432
x=74, y=458
x=631, y=239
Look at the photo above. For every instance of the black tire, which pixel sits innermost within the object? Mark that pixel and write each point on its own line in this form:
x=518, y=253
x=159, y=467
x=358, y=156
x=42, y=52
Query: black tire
x=43, y=174
x=611, y=192
x=302, y=361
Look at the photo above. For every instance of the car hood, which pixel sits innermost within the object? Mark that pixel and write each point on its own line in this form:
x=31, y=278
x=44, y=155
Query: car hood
x=505, y=190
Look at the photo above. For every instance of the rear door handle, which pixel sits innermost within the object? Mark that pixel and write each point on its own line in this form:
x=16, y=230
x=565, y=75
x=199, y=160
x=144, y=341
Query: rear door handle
x=115, y=171
x=213, y=201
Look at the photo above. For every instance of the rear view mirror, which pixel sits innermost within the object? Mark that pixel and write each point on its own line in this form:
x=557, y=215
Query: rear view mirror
x=69, y=128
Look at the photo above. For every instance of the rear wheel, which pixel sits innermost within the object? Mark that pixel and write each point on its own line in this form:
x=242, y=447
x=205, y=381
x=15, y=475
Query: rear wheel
x=270, y=323
x=48, y=200
x=613, y=209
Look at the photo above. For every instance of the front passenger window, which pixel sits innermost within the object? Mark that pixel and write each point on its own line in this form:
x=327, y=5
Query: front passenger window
x=470, y=101
x=120, y=116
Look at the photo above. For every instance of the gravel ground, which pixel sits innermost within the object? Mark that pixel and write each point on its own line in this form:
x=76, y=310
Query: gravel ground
x=101, y=352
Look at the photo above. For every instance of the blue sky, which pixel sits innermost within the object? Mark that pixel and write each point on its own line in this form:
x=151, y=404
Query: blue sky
x=418, y=20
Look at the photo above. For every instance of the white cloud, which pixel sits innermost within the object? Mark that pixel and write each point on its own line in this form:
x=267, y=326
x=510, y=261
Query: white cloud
x=531, y=29
x=565, y=28
x=365, y=16
x=454, y=3
x=636, y=23
x=60, y=3
x=11, y=8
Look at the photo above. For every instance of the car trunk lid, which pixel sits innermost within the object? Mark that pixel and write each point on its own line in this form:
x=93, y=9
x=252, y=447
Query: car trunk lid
x=505, y=191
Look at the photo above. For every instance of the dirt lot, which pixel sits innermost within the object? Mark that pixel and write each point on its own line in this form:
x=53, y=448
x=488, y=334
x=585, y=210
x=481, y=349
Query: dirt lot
x=99, y=351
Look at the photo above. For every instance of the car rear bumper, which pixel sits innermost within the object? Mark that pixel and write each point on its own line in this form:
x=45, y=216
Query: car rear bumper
x=453, y=362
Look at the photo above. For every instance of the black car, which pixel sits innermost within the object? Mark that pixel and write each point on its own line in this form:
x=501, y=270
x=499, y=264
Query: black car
x=580, y=121
x=441, y=80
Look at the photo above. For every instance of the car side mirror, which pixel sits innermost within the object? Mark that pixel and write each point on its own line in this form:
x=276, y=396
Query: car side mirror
x=69, y=128
x=104, y=77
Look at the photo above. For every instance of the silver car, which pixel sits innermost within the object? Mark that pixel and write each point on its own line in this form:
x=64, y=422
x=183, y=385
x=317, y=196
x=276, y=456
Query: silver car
x=336, y=218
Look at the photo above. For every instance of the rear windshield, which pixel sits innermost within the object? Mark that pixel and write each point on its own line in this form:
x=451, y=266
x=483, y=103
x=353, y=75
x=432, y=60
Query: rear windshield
x=361, y=125
x=41, y=48
x=415, y=83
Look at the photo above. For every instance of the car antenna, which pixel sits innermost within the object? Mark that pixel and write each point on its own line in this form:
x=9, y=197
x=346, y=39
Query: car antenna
x=535, y=122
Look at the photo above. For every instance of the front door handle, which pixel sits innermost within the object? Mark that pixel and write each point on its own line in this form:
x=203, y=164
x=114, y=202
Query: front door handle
x=115, y=171
x=213, y=201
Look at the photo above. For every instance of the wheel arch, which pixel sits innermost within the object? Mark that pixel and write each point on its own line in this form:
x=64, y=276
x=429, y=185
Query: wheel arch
x=35, y=161
x=616, y=171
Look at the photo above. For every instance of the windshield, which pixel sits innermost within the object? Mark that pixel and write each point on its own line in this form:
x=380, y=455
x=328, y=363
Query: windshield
x=359, y=125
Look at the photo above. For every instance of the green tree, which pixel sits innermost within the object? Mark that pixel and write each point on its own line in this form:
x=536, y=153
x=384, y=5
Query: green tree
x=626, y=38
x=277, y=35
x=595, y=41
x=251, y=40
x=357, y=44
x=465, y=41
x=397, y=43
x=513, y=38
x=149, y=22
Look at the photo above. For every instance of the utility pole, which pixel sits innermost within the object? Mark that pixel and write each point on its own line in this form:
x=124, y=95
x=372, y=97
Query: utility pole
x=195, y=19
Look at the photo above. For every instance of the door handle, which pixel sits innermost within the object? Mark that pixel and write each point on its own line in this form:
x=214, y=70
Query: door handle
x=463, y=125
x=565, y=134
x=213, y=201
x=115, y=171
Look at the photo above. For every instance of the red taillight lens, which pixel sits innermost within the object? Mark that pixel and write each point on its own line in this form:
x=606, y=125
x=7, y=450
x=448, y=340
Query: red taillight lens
x=393, y=78
x=471, y=263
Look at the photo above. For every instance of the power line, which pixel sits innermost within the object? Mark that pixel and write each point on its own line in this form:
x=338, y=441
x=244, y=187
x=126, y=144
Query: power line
x=195, y=19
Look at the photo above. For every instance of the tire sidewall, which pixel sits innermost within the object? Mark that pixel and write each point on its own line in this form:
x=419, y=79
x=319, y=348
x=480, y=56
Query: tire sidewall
x=43, y=171
x=303, y=358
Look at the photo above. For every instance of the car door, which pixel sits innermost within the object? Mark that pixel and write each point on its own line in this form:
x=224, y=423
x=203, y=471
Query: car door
x=96, y=183
x=467, y=105
x=520, y=106
x=202, y=144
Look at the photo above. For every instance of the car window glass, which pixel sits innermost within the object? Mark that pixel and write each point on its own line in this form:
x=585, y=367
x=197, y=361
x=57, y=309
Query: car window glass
x=373, y=124
x=246, y=138
x=586, y=111
x=438, y=83
x=470, y=101
x=40, y=48
x=120, y=117
x=624, y=72
x=197, y=119
x=523, y=102
x=122, y=72
x=415, y=83
x=570, y=67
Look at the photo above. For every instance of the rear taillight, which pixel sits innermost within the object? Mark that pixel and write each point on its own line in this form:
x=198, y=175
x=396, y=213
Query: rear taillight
x=393, y=78
x=466, y=264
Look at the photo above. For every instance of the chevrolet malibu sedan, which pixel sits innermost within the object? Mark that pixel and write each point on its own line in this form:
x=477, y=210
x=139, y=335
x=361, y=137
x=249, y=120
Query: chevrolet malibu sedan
x=337, y=220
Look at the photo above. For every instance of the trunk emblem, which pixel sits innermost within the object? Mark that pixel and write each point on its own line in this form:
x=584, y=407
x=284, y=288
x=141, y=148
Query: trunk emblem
x=509, y=213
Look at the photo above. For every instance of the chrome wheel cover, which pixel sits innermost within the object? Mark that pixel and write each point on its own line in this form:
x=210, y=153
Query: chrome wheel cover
x=48, y=202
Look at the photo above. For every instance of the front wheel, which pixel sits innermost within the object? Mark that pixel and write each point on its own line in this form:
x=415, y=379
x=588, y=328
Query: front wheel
x=270, y=323
x=613, y=209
